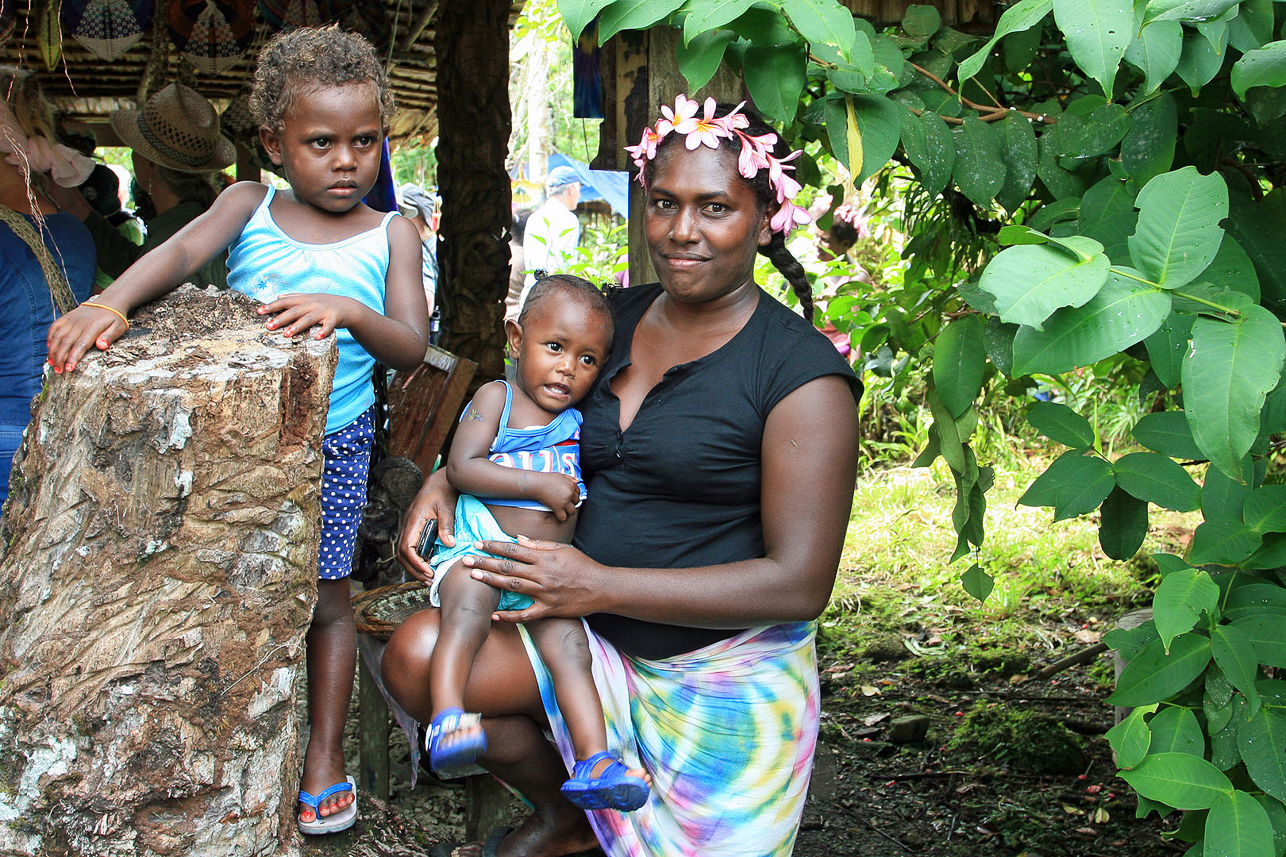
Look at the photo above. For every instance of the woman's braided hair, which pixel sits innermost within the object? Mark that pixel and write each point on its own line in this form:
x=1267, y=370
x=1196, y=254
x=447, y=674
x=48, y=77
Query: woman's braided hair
x=765, y=195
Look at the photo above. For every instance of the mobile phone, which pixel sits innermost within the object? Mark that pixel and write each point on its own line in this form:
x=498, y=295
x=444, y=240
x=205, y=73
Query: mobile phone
x=428, y=538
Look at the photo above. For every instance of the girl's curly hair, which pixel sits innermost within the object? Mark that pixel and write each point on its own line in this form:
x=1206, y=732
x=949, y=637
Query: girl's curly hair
x=317, y=56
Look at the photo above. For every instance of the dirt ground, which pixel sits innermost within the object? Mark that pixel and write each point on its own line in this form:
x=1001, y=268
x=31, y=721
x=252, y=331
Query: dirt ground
x=872, y=797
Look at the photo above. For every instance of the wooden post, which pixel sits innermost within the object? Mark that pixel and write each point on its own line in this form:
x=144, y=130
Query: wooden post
x=157, y=581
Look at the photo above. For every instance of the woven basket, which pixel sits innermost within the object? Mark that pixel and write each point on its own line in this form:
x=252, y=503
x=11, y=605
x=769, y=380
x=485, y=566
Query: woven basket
x=379, y=611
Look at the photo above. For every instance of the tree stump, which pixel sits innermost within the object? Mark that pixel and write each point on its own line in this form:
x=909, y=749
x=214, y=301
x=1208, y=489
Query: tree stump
x=156, y=585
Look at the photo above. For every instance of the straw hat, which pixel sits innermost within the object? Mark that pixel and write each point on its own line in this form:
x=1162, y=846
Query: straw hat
x=177, y=128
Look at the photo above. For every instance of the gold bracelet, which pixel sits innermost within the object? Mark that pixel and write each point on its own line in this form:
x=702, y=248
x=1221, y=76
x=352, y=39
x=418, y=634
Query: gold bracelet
x=109, y=309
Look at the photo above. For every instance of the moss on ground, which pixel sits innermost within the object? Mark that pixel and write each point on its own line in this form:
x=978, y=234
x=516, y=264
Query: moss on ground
x=1020, y=739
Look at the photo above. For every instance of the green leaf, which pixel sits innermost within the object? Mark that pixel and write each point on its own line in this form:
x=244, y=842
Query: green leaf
x=1232, y=269
x=1167, y=432
x=921, y=21
x=1262, y=739
x=1180, y=600
x=1029, y=282
x=1180, y=780
x=579, y=13
x=930, y=148
x=1200, y=61
x=1097, y=32
x=1168, y=346
x=1057, y=211
x=1131, y=643
x=699, y=59
x=1191, y=11
x=822, y=21
x=775, y=78
x=1073, y=481
x=1237, y=827
x=1222, y=542
x=1122, y=313
x=1175, y=730
x=1178, y=233
x=950, y=443
x=1223, y=498
x=1123, y=524
x=766, y=26
x=633, y=15
x=1157, y=479
x=958, y=363
x=977, y=582
x=1265, y=635
x=1276, y=812
x=707, y=15
x=1235, y=655
x=880, y=121
x=1019, y=152
x=1147, y=149
x=998, y=338
x=1132, y=737
x=1255, y=600
x=980, y=167
x=1096, y=134
x=1154, y=676
x=1227, y=372
x=1108, y=216
x=1225, y=752
x=1021, y=16
x=1156, y=52
x=1264, y=67
x=1265, y=510
x=1062, y=424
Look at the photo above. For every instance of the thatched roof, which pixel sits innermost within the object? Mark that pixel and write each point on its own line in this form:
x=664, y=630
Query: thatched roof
x=87, y=88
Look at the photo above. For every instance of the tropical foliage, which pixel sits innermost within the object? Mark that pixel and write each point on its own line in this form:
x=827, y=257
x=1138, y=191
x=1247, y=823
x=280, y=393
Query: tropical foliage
x=1099, y=183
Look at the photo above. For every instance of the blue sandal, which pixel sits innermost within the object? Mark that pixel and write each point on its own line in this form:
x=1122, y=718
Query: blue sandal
x=615, y=789
x=459, y=756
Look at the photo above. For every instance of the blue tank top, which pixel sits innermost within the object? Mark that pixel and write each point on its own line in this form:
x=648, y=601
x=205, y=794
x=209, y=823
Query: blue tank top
x=552, y=448
x=266, y=263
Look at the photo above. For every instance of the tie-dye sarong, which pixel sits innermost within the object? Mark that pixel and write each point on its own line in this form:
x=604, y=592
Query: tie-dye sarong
x=727, y=733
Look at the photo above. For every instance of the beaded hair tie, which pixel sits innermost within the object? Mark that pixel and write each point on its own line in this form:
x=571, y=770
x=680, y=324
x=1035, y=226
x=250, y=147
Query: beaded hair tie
x=756, y=152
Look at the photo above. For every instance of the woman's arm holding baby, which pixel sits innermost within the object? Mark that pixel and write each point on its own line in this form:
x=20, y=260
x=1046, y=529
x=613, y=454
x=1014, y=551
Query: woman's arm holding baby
x=155, y=274
x=399, y=336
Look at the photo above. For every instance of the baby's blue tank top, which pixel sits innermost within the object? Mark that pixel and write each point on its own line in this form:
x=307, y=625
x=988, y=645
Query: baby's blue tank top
x=552, y=448
x=266, y=263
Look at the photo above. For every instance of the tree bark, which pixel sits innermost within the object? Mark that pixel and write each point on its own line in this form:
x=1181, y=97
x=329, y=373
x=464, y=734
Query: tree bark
x=472, y=46
x=157, y=580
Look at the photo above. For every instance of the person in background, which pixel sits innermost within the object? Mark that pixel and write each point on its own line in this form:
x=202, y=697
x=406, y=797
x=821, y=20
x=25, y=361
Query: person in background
x=418, y=206
x=46, y=256
x=102, y=191
x=177, y=149
x=517, y=273
x=553, y=231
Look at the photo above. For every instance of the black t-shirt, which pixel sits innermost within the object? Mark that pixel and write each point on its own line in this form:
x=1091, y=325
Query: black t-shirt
x=681, y=487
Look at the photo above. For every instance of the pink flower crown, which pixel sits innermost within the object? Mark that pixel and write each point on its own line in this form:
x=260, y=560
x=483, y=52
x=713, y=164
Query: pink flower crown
x=756, y=152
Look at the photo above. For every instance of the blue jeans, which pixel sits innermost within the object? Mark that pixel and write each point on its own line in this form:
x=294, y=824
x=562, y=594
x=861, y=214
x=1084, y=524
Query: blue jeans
x=10, y=439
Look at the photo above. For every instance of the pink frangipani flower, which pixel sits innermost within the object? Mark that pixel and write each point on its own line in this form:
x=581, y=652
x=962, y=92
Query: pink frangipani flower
x=684, y=109
x=788, y=217
x=706, y=130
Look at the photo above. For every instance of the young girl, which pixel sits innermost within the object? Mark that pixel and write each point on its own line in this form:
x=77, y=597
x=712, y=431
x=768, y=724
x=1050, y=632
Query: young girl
x=318, y=258
x=518, y=448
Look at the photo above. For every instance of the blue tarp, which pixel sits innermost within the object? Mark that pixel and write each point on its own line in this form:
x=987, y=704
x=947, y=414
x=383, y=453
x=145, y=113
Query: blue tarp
x=609, y=185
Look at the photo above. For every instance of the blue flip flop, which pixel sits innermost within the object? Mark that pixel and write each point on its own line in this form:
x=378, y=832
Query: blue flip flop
x=615, y=789
x=335, y=822
x=459, y=757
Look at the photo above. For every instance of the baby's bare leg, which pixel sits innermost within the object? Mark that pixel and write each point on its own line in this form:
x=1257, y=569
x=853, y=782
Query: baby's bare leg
x=467, y=605
x=564, y=648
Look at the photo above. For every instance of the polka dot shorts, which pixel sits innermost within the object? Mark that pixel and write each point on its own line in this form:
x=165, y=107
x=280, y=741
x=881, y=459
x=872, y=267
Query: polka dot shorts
x=343, y=494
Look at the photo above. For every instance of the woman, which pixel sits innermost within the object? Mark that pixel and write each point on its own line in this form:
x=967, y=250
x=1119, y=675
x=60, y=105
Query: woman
x=46, y=256
x=177, y=148
x=720, y=450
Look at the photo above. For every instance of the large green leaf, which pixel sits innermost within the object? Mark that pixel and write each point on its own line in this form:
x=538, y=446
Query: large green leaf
x=1254, y=600
x=1074, y=484
x=1253, y=26
x=1224, y=497
x=579, y=13
x=1232, y=269
x=1147, y=150
x=775, y=78
x=1175, y=730
x=1265, y=635
x=1108, y=216
x=1263, y=749
x=950, y=444
x=1081, y=139
x=1132, y=737
x=1157, y=479
x=1021, y=16
x=1237, y=826
x=1154, y=676
x=1019, y=152
x=700, y=58
x=1030, y=281
x=1122, y=313
x=1156, y=52
x=1222, y=542
x=1097, y=32
x=1178, y=233
x=822, y=21
x=1180, y=600
x=1062, y=424
x=930, y=148
x=706, y=15
x=1180, y=780
x=977, y=582
x=1227, y=372
x=959, y=359
x=1265, y=509
x=1191, y=11
x=1264, y=67
x=1235, y=655
x=1061, y=182
x=1167, y=347
x=633, y=15
x=880, y=122
x=1167, y=432
x=1200, y=60
x=1123, y=524
x=1259, y=226
x=980, y=167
